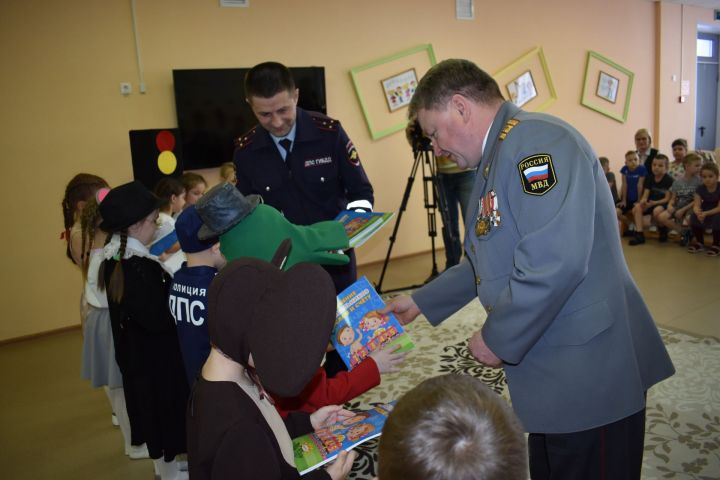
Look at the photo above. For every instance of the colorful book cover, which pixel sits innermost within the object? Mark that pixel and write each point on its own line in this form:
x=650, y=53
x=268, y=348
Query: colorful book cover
x=359, y=226
x=322, y=446
x=163, y=243
x=359, y=327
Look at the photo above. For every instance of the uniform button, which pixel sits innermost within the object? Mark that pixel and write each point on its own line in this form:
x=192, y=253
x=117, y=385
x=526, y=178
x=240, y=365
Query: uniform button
x=322, y=179
x=477, y=280
x=267, y=189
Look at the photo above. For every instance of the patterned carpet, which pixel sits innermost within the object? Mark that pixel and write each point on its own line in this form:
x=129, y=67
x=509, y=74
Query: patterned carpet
x=683, y=416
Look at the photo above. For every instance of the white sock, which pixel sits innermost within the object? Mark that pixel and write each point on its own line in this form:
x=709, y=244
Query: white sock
x=169, y=470
x=117, y=400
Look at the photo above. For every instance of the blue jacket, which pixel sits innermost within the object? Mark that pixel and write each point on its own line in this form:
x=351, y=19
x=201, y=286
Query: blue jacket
x=578, y=343
x=324, y=172
x=188, y=305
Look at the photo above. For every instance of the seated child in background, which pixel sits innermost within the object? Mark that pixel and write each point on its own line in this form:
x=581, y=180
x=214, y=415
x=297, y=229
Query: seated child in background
x=679, y=150
x=633, y=179
x=171, y=193
x=195, y=186
x=656, y=195
x=706, y=211
x=681, y=198
x=188, y=293
x=268, y=329
x=228, y=173
x=610, y=176
x=452, y=427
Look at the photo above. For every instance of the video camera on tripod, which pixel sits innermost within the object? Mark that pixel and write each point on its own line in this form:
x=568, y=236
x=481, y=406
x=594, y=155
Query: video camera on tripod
x=433, y=196
x=415, y=137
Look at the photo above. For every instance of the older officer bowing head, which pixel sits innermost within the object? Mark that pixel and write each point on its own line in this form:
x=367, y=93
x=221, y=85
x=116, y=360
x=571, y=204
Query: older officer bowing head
x=564, y=317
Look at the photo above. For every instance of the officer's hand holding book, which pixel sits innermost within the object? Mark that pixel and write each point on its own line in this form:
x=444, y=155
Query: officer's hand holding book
x=403, y=307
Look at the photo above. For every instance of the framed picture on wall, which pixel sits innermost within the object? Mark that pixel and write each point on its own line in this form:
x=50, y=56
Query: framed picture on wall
x=522, y=89
x=607, y=87
x=527, y=80
x=397, y=76
x=399, y=89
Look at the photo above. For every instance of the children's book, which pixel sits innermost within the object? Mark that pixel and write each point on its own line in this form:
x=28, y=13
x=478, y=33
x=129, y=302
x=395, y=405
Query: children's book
x=322, y=446
x=359, y=226
x=164, y=243
x=359, y=327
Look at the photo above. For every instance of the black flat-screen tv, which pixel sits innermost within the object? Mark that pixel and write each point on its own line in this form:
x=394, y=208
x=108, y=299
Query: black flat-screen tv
x=212, y=112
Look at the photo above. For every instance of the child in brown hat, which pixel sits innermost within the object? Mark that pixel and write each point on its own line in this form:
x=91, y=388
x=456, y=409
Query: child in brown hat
x=268, y=329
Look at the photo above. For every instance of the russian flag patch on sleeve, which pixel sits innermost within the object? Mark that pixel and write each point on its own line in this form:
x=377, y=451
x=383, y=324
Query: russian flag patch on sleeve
x=537, y=174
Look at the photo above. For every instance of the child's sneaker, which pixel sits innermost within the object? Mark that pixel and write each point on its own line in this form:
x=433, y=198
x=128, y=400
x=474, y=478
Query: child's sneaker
x=695, y=247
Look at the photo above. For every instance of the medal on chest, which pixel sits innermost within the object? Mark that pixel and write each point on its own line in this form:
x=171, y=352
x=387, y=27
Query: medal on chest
x=488, y=214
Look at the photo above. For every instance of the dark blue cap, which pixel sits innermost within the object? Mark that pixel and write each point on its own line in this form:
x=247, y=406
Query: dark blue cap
x=187, y=227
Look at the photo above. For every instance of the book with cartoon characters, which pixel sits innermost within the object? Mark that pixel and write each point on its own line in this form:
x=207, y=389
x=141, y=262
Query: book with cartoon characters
x=322, y=446
x=359, y=226
x=359, y=327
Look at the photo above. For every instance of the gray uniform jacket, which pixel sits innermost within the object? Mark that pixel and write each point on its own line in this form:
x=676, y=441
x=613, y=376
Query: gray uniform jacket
x=578, y=343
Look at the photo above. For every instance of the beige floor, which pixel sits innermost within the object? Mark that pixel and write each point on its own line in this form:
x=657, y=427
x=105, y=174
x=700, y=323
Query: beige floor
x=54, y=426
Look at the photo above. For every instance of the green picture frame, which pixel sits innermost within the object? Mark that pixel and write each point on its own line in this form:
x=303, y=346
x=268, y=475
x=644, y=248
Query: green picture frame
x=543, y=90
x=368, y=83
x=612, y=100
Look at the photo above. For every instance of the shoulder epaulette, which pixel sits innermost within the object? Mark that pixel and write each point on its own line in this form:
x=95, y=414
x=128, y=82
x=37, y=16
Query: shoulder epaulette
x=247, y=139
x=325, y=123
x=506, y=129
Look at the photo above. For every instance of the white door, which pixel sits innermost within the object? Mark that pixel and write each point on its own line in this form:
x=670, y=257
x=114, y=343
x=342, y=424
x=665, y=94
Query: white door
x=707, y=91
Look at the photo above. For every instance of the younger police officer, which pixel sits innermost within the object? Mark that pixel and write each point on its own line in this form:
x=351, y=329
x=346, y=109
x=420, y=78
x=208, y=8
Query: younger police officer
x=300, y=162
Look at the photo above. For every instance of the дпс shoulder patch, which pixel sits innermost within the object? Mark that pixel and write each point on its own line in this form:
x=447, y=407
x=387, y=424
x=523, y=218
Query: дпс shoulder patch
x=537, y=174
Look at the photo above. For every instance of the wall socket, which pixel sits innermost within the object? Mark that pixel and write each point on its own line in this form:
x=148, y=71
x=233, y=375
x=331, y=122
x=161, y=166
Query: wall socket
x=125, y=88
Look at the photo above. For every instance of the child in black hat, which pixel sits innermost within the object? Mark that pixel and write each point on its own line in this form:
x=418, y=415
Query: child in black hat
x=268, y=329
x=188, y=294
x=146, y=345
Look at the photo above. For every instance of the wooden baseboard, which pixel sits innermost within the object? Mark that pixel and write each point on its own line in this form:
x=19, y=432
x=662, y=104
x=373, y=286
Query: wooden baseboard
x=438, y=251
x=34, y=336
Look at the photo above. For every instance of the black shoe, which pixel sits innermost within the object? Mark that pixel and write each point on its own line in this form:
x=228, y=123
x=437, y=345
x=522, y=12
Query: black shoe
x=685, y=238
x=663, y=231
x=629, y=233
x=638, y=240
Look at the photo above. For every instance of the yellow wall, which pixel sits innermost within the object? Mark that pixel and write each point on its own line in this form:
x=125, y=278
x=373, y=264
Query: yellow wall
x=62, y=112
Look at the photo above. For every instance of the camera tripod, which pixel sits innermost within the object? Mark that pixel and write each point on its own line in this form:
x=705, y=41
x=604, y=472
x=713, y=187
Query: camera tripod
x=433, y=199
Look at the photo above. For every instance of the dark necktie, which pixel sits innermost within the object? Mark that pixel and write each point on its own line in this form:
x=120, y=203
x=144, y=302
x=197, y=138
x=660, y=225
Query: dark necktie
x=286, y=144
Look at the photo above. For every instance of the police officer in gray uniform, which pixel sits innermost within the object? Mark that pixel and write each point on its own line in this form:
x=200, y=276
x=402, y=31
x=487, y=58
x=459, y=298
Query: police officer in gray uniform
x=564, y=317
